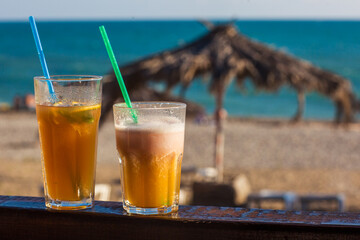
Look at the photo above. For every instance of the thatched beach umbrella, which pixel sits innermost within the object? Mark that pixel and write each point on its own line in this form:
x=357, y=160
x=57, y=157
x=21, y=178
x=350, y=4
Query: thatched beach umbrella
x=227, y=55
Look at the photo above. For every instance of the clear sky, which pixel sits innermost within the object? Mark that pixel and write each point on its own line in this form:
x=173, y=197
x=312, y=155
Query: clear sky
x=179, y=9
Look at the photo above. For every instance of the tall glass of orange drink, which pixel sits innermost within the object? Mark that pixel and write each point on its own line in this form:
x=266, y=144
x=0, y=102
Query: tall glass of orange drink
x=150, y=151
x=68, y=129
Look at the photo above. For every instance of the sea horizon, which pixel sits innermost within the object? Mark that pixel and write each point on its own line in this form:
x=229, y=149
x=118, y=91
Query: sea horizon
x=76, y=47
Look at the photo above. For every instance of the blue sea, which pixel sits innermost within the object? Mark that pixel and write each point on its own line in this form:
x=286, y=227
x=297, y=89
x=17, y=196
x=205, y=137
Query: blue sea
x=77, y=48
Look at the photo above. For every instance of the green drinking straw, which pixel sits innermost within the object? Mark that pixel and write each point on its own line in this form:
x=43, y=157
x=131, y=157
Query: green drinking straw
x=117, y=72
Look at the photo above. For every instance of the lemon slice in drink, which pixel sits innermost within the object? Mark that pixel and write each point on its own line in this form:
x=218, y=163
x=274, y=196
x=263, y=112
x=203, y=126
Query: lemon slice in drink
x=79, y=114
x=85, y=108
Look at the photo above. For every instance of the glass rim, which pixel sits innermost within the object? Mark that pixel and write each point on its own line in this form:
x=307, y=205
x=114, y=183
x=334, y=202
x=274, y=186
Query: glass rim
x=69, y=78
x=141, y=105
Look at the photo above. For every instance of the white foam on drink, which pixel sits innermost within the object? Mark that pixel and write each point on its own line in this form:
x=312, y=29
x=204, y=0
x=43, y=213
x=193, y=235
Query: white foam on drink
x=162, y=124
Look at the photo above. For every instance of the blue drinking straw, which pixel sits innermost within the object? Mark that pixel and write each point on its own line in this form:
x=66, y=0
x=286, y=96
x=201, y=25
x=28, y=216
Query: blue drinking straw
x=41, y=55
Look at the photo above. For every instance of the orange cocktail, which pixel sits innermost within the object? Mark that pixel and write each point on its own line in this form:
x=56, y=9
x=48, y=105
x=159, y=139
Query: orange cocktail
x=150, y=153
x=68, y=137
x=68, y=132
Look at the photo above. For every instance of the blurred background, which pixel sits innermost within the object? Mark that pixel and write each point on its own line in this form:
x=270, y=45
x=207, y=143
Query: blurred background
x=267, y=158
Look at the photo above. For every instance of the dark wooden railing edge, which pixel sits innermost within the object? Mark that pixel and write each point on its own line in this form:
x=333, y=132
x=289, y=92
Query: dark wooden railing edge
x=27, y=217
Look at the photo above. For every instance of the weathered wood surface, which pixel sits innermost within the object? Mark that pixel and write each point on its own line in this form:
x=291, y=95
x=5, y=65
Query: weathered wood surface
x=27, y=218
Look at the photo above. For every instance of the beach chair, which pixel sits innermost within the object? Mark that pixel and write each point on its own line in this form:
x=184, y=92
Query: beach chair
x=312, y=202
x=289, y=200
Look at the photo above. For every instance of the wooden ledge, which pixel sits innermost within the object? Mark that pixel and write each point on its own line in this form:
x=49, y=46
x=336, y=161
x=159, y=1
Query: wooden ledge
x=27, y=218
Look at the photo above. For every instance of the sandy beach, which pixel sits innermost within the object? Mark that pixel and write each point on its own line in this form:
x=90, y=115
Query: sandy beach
x=309, y=157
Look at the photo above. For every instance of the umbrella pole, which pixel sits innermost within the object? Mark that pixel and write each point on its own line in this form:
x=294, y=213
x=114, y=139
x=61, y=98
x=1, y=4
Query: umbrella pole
x=220, y=116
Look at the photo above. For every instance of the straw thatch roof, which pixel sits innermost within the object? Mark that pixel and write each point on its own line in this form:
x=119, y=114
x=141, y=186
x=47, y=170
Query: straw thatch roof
x=227, y=55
